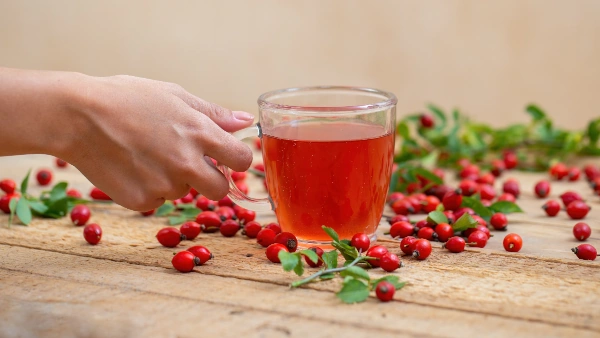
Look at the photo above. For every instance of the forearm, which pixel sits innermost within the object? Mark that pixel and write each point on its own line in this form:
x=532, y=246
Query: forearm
x=38, y=112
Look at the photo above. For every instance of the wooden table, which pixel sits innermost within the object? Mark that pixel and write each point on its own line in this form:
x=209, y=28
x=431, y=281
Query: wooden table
x=52, y=283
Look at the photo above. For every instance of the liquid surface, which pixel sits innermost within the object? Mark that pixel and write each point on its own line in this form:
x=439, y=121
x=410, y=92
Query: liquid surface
x=333, y=174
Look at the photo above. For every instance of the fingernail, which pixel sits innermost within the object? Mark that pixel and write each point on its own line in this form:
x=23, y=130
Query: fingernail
x=242, y=115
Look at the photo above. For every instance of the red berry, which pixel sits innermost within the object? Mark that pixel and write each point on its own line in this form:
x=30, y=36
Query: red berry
x=402, y=207
x=203, y=203
x=99, y=195
x=499, y=221
x=257, y=143
x=225, y=202
x=422, y=249
x=422, y=224
x=201, y=252
x=426, y=120
x=452, y=200
x=266, y=237
x=478, y=238
x=194, y=192
x=92, y=233
x=486, y=203
x=471, y=172
x=542, y=189
x=430, y=204
x=274, y=226
x=407, y=245
x=229, y=228
x=394, y=197
x=251, y=229
x=498, y=167
x=463, y=162
x=487, y=179
x=512, y=243
x=185, y=261
x=361, y=242
x=189, y=198
x=385, y=291
x=510, y=160
x=148, y=213
x=455, y=244
x=389, y=262
x=559, y=171
x=80, y=214
x=574, y=174
x=507, y=197
x=450, y=216
x=61, y=163
x=319, y=253
x=480, y=220
x=577, y=209
x=272, y=252
x=591, y=172
x=570, y=196
x=401, y=229
x=398, y=218
x=551, y=208
x=585, y=251
x=444, y=231
x=8, y=186
x=487, y=192
x=190, y=230
x=242, y=186
x=468, y=187
x=238, y=175
x=377, y=251
x=209, y=220
x=225, y=213
x=5, y=202
x=582, y=231
x=74, y=193
x=426, y=233
x=415, y=203
x=169, y=237
x=511, y=186
x=288, y=239
x=245, y=215
x=44, y=177
x=461, y=211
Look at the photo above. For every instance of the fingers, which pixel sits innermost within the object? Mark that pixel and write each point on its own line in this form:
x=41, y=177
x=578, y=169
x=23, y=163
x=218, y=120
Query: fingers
x=226, y=149
x=209, y=181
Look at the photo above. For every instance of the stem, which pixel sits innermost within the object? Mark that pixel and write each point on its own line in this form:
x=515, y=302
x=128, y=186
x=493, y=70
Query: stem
x=322, y=272
x=256, y=172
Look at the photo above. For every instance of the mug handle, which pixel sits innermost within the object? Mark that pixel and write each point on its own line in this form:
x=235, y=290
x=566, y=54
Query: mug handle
x=237, y=196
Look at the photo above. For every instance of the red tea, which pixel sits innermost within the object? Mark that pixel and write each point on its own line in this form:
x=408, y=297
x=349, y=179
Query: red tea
x=333, y=174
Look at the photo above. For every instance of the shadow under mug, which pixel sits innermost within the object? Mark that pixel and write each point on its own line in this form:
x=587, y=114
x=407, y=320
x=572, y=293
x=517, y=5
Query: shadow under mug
x=328, y=153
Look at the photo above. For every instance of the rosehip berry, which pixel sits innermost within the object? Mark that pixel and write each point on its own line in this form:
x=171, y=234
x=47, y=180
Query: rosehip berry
x=507, y=197
x=44, y=177
x=512, y=243
x=272, y=252
x=288, y=239
x=190, y=230
x=225, y=213
x=74, y=193
x=80, y=214
x=265, y=237
x=426, y=120
x=377, y=251
x=422, y=224
x=170, y=237
x=478, y=239
x=486, y=179
x=430, y=204
x=415, y=203
x=450, y=216
x=470, y=172
x=202, y=253
x=498, y=167
x=274, y=226
x=542, y=189
x=486, y=203
x=439, y=191
x=463, y=162
x=422, y=249
x=551, y=208
x=257, y=143
x=245, y=215
x=570, y=196
x=559, y=171
x=585, y=251
x=225, y=202
x=479, y=220
x=8, y=186
x=455, y=244
x=499, y=221
x=394, y=197
x=385, y=291
x=251, y=229
x=426, y=233
x=444, y=231
x=209, y=220
x=203, y=203
x=229, y=228
x=319, y=253
x=185, y=261
x=401, y=230
x=242, y=186
x=61, y=163
x=194, y=192
x=407, y=245
x=148, y=213
x=189, y=198
x=591, y=172
x=574, y=174
x=582, y=231
x=398, y=218
x=512, y=187
x=452, y=200
x=92, y=233
x=461, y=211
x=389, y=262
x=487, y=192
x=510, y=160
x=468, y=187
x=238, y=175
x=578, y=209
x=361, y=242
x=5, y=202
x=402, y=207
x=99, y=195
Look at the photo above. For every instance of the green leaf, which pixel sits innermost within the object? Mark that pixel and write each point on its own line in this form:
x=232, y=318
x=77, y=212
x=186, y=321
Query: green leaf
x=440, y=207
x=428, y=175
x=536, y=113
x=477, y=206
x=165, y=209
x=311, y=255
x=299, y=268
x=505, y=207
x=430, y=161
x=327, y=276
x=403, y=131
x=593, y=131
x=288, y=260
x=12, y=205
x=331, y=233
x=437, y=217
x=464, y=222
x=191, y=212
x=25, y=183
x=38, y=207
x=186, y=206
x=59, y=191
x=439, y=113
x=353, y=291
x=176, y=220
x=349, y=252
x=330, y=259
x=356, y=272
x=23, y=211
x=58, y=208
x=394, y=181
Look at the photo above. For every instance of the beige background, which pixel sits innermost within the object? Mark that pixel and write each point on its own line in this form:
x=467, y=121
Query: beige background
x=489, y=58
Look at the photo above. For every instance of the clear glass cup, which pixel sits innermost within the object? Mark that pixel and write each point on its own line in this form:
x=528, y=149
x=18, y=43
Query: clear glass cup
x=328, y=153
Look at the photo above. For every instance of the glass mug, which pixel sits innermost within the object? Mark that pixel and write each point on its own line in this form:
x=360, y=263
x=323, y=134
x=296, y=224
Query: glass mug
x=328, y=153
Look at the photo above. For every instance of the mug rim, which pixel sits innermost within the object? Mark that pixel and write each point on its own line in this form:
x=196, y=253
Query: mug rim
x=389, y=101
